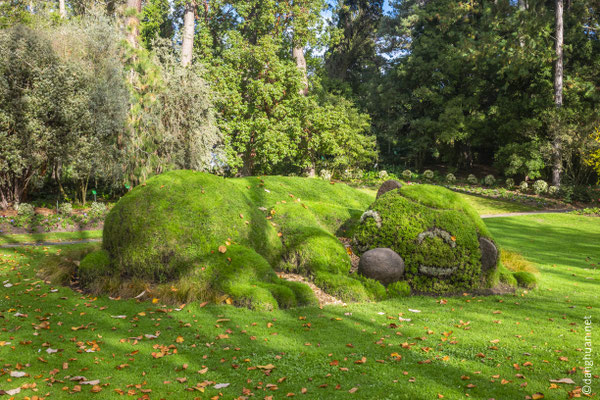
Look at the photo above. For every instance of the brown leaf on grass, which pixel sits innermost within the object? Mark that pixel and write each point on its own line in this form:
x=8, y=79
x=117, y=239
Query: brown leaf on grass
x=567, y=381
x=353, y=390
x=361, y=361
x=222, y=249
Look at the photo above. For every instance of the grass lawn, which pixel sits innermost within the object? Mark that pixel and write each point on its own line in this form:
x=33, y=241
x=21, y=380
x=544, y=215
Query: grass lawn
x=49, y=237
x=502, y=347
x=485, y=205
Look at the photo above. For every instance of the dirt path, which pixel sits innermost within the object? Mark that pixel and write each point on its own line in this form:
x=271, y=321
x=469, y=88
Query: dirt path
x=519, y=214
x=323, y=297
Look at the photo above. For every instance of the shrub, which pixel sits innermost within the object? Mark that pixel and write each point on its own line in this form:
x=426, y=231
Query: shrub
x=398, y=289
x=347, y=175
x=65, y=209
x=94, y=266
x=98, y=210
x=505, y=276
x=450, y=178
x=325, y=174
x=383, y=174
x=540, y=186
x=525, y=279
x=489, y=180
x=439, y=239
x=358, y=174
x=553, y=190
x=407, y=174
x=523, y=186
x=25, y=209
x=428, y=174
x=472, y=179
x=510, y=183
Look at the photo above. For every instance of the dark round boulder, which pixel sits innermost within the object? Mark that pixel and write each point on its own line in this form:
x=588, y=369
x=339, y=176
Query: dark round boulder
x=489, y=254
x=387, y=186
x=381, y=264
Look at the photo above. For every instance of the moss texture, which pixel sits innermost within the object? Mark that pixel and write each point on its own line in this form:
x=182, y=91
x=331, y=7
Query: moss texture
x=435, y=232
x=228, y=236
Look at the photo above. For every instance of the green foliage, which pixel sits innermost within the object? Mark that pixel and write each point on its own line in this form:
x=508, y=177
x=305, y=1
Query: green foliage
x=398, y=289
x=489, y=180
x=520, y=159
x=523, y=186
x=407, y=174
x=439, y=240
x=507, y=277
x=65, y=208
x=428, y=174
x=450, y=178
x=472, y=179
x=540, y=186
x=525, y=279
x=510, y=183
x=25, y=209
x=229, y=234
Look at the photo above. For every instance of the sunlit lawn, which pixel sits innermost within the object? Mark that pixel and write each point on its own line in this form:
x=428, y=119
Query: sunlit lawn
x=502, y=347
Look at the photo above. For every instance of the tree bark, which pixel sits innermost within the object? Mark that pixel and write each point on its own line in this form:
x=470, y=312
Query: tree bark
x=189, y=30
x=558, y=95
x=298, y=54
x=133, y=22
x=62, y=9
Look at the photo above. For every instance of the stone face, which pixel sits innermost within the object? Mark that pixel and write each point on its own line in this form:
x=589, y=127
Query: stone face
x=489, y=254
x=387, y=186
x=381, y=264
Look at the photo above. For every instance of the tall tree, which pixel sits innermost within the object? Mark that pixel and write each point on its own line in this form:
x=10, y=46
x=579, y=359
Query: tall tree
x=187, y=37
x=134, y=7
x=62, y=9
x=558, y=94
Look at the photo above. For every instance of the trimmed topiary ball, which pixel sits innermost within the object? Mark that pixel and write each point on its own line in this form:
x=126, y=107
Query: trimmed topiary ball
x=450, y=178
x=489, y=180
x=540, y=186
x=65, y=209
x=441, y=239
x=25, y=209
x=428, y=174
x=325, y=174
x=383, y=174
x=407, y=174
x=523, y=186
x=510, y=183
x=472, y=179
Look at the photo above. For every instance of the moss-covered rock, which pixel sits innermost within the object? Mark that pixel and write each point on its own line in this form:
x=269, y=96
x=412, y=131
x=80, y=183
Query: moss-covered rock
x=436, y=233
x=230, y=235
x=94, y=265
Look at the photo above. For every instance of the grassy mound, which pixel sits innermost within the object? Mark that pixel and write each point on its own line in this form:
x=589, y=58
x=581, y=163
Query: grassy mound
x=435, y=232
x=213, y=238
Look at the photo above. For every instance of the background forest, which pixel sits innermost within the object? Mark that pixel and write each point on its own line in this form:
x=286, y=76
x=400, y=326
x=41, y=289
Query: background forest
x=102, y=94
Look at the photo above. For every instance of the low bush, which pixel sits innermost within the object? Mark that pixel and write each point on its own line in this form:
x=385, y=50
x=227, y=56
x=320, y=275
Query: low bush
x=510, y=183
x=407, y=174
x=398, y=289
x=523, y=186
x=25, y=209
x=540, y=186
x=472, y=179
x=489, y=180
x=450, y=178
x=428, y=174
x=65, y=209
x=525, y=279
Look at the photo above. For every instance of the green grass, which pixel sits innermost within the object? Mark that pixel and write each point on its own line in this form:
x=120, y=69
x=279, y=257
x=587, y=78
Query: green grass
x=485, y=205
x=49, y=237
x=311, y=347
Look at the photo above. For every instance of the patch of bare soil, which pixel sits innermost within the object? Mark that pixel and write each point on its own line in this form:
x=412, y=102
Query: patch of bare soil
x=354, y=259
x=324, y=298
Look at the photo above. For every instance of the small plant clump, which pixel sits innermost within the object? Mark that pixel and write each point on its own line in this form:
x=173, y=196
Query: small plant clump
x=325, y=174
x=540, y=186
x=525, y=279
x=489, y=180
x=472, y=179
x=25, y=209
x=450, y=178
x=65, y=209
x=407, y=174
x=428, y=174
x=383, y=174
x=523, y=186
x=510, y=183
x=553, y=190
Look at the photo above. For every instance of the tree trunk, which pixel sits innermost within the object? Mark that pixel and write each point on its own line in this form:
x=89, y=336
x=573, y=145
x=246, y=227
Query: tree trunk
x=558, y=95
x=133, y=22
x=62, y=9
x=298, y=54
x=189, y=28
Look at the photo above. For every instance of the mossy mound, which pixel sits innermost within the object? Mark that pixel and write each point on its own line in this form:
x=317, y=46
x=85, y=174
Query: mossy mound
x=435, y=232
x=216, y=238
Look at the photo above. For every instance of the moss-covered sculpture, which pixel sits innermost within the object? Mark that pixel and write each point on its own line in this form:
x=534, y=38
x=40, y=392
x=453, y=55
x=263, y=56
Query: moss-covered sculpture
x=212, y=238
x=438, y=235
